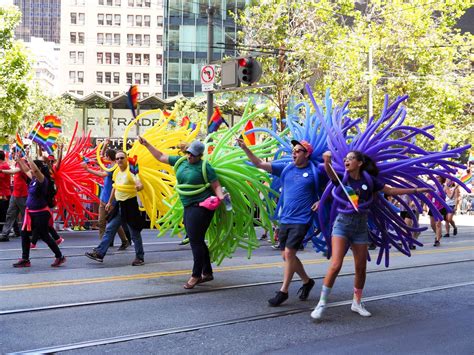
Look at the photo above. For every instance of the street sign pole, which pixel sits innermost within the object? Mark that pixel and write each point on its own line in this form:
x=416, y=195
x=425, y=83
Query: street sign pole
x=210, y=41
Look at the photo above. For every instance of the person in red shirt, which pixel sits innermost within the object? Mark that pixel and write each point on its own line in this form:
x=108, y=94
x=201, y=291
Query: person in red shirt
x=17, y=201
x=5, y=191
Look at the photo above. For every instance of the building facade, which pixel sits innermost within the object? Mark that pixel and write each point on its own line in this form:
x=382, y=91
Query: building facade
x=108, y=45
x=186, y=33
x=40, y=18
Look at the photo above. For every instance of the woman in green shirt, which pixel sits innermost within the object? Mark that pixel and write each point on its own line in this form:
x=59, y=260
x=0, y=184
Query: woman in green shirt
x=196, y=181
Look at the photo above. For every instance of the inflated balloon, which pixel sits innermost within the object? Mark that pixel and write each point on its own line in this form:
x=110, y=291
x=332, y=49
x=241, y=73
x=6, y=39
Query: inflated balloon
x=389, y=143
x=76, y=187
x=158, y=179
x=246, y=184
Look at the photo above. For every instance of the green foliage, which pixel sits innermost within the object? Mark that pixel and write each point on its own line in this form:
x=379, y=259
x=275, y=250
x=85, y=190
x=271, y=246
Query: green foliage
x=14, y=74
x=416, y=51
x=40, y=105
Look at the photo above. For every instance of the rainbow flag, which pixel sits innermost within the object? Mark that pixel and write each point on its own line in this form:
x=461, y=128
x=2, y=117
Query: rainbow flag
x=249, y=139
x=186, y=122
x=19, y=144
x=466, y=178
x=132, y=99
x=53, y=123
x=133, y=165
x=352, y=195
x=215, y=121
x=98, y=189
x=44, y=137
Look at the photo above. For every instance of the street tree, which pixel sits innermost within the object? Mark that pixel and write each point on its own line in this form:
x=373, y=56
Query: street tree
x=415, y=49
x=14, y=73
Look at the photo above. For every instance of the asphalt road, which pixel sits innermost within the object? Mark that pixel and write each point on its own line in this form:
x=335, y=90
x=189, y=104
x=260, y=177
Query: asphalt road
x=422, y=304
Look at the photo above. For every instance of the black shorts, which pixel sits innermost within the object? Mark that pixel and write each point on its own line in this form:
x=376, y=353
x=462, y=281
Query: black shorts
x=291, y=236
x=442, y=211
x=404, y=214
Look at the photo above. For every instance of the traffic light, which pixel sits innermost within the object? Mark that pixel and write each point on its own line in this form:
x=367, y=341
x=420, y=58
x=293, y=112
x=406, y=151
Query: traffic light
x=249, y=70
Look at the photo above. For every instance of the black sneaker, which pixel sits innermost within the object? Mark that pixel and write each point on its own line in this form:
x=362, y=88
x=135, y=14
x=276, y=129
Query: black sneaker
x=22, y=263
x=455, y=231
x=123, y=247
x=446, y=235
x=279, y=298
x=95, y=256
x=372, y=246
x=306, y=289
x=185, y=241
x=436, y=243
x=4, y=238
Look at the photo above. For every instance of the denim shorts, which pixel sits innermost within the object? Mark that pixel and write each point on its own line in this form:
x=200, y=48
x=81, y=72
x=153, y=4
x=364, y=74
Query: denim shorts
x=352, y=227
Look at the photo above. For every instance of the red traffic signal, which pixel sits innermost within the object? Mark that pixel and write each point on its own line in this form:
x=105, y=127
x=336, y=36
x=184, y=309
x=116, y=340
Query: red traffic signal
x=249, y=70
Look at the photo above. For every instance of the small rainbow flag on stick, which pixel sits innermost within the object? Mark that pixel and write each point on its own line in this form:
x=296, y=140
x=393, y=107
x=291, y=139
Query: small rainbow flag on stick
x=352, y=196
x=19, y=144
x=249, y=139
x=215, y=121
x=132, y=99
x=186, y=122
x=98, y=189
x=53, y=123
x=133, y=165
x=466, y=179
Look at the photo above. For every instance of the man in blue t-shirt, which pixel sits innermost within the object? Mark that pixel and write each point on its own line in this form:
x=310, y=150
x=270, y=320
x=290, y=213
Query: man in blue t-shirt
x=299, y=200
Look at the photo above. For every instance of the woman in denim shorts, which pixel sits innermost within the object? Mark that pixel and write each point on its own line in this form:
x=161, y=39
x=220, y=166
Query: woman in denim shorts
x=351, y=228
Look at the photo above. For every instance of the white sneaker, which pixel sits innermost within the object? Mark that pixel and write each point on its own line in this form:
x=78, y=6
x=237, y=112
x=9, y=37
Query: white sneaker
x=318, y=311
x=359, y=308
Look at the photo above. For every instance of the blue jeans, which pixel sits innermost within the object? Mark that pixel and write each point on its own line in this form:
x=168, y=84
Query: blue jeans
x=111, y=229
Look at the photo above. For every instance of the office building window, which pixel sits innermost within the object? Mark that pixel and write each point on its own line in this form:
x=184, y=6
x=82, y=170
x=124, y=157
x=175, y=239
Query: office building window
x=72, y=77
x=159, y=40
x=73, y=37
x=73, y=18
x=138, y=21
x=159, y=79
x=118, y=2
x=138, y=3
x=129, y=58
x=80, y=92
x=159, y=60
x=130, y=2
x=80, y=76
x=130, y=39
x=100, y=38
x=138, y=78
x=159, y=20
x=100, y=19
x=138, y=59
x=108, y=39
x=146, y=20
x=117, y=39
x=100, y=58
x=146, y=59
x=109, y=2
x=99, y=77
x=101, y=2
x=130, y=20
x=108, y=58
x=138, y=40
x=108, y=77
x=146, y=79
x=116, y=79
x=80, y=57
x=129, y=78
x=145, y=95
x=117, y=20
x=72, y=57
x=115, y=94
x=108, y=19
x=80, y=37
x=146, y=40
x=116, y=58
x=107, y=93
x=82, y=19
x=147, y=3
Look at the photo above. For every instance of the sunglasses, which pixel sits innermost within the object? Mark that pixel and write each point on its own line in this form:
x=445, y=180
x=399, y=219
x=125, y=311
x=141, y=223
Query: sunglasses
x=299, y=150
x=120, y=158
x=191, y=154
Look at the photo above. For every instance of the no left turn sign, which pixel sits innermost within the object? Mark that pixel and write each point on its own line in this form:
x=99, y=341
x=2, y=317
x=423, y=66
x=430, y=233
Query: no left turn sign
x=208, y=74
